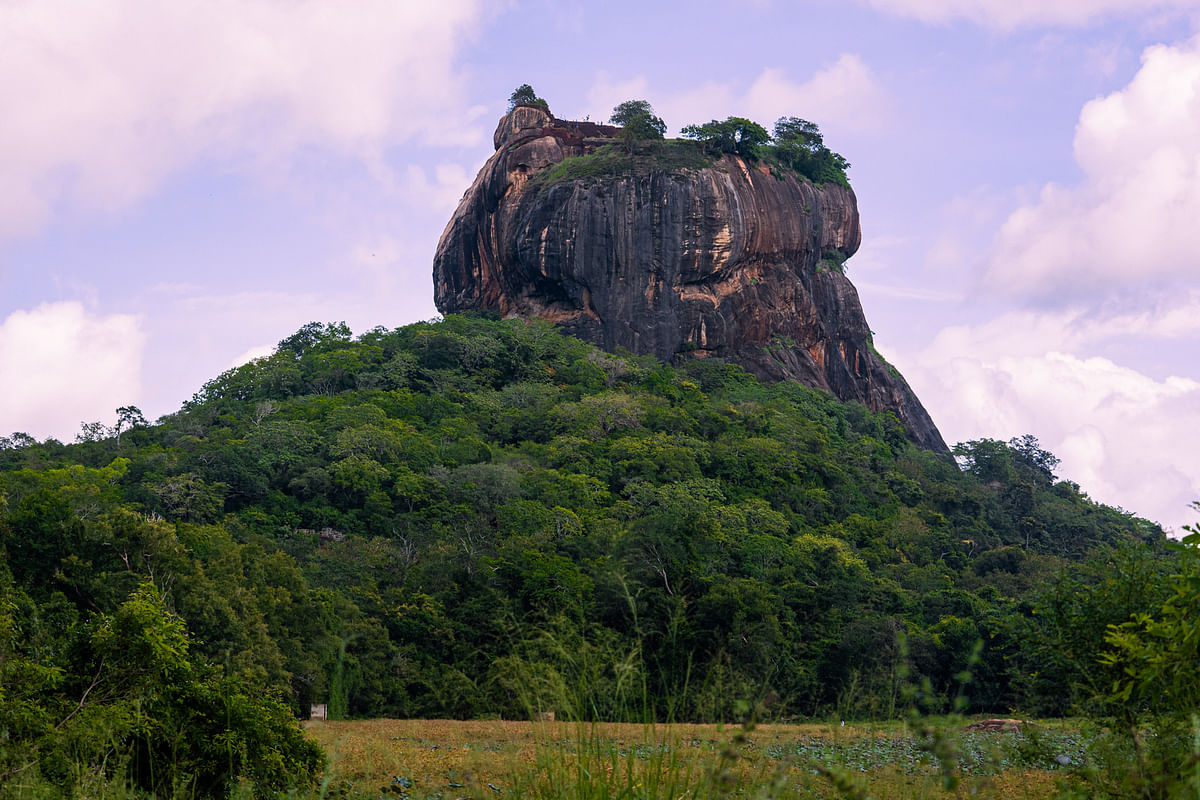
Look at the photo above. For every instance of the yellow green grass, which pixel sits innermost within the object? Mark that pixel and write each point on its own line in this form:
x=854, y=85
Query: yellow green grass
x=449, y=759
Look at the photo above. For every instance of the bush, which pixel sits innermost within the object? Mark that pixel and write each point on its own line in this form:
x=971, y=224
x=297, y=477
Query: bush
x=524, y=95
x=132, y=707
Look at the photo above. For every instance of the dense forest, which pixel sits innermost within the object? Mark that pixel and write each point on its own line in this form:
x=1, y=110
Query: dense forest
x=482, y=518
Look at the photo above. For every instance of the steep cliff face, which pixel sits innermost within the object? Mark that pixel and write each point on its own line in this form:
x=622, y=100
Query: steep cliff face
x=725, y=260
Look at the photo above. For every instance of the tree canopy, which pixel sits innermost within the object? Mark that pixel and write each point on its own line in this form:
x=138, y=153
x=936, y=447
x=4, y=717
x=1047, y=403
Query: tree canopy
x=734, y=135
x=524, y=95
x=800, y=145
x=478, y=517
x=637, y=121
x=797, y=145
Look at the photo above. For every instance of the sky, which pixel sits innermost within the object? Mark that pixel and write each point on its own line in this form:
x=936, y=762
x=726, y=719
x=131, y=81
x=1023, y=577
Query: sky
x=184, y=184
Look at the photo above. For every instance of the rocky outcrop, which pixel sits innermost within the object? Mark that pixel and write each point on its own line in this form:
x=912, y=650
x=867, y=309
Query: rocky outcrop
x=726, y=260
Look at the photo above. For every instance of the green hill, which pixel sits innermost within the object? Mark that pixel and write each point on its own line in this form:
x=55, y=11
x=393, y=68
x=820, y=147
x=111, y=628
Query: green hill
x=473, y=518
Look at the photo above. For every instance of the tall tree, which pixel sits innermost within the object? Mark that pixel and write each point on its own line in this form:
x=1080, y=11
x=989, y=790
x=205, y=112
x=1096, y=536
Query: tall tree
x=524, y=95
x=128, y=417
x=800, y=145
x=637, y=121
x=735, y=135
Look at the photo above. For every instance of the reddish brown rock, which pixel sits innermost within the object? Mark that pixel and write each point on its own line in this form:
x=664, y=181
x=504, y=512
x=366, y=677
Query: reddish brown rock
x=724, y=261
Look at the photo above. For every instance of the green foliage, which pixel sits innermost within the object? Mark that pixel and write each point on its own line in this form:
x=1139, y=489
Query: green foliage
x=446, y=518
x=733, y=136
x=125, y=700
x=638, y=123
x=648, y=157
x=1154, y=659
x=1117, y=634
x=524, y=95
x=1157, y=652
x=832, y=259
x=800, y=146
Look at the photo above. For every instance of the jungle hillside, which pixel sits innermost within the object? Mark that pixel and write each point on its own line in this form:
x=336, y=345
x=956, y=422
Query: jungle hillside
x=475, y=518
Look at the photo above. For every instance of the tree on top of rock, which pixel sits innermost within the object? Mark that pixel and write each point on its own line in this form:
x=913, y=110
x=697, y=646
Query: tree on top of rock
x=524, y=95
x=736, y=135
x=637, y=121
x=800, y=145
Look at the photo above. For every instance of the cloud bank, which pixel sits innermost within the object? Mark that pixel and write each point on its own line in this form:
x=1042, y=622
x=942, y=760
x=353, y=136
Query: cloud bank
x=1105, y=274
x=1131, y=221
x=60, y=363
x=1009, y=14
x=844, y=96
x=1127, y=438
x=105, y=100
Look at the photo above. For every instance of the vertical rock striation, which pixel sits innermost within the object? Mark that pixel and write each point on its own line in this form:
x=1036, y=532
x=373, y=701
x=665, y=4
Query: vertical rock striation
x=726, y=260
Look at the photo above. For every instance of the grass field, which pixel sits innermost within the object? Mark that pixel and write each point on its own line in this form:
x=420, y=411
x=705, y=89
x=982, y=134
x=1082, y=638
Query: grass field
x=447, y=759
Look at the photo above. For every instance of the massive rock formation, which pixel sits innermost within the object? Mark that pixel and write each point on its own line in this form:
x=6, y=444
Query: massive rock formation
x=726, y=260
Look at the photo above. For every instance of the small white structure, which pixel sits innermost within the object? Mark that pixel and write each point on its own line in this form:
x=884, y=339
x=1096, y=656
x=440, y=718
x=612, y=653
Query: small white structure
x=319, y=711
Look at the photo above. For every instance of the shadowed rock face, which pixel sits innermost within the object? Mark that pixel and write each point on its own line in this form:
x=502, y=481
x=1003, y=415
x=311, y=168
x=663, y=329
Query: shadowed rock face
x=723, y=261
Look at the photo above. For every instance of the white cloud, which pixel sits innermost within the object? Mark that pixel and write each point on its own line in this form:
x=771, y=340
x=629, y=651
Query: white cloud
x=710, y=100
x=1009, y=14
x=1105, y=58
x=442, y=193
x=392, y=276
x=59, y=363
x=1029, y=333
x=966, y=224
x=104, y=100
x=1175, y=317
x=1126, y=438
x=845, y=96
x=606, y=94
x=919, y=293
x=1131, y=222
x=210, y=332
x=260, y=351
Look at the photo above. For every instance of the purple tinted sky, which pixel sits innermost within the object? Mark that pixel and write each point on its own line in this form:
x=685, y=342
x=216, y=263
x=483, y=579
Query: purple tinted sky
x=182, y=185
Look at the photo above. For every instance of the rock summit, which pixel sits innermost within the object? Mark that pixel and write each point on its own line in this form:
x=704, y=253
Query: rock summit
x=692, y=258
